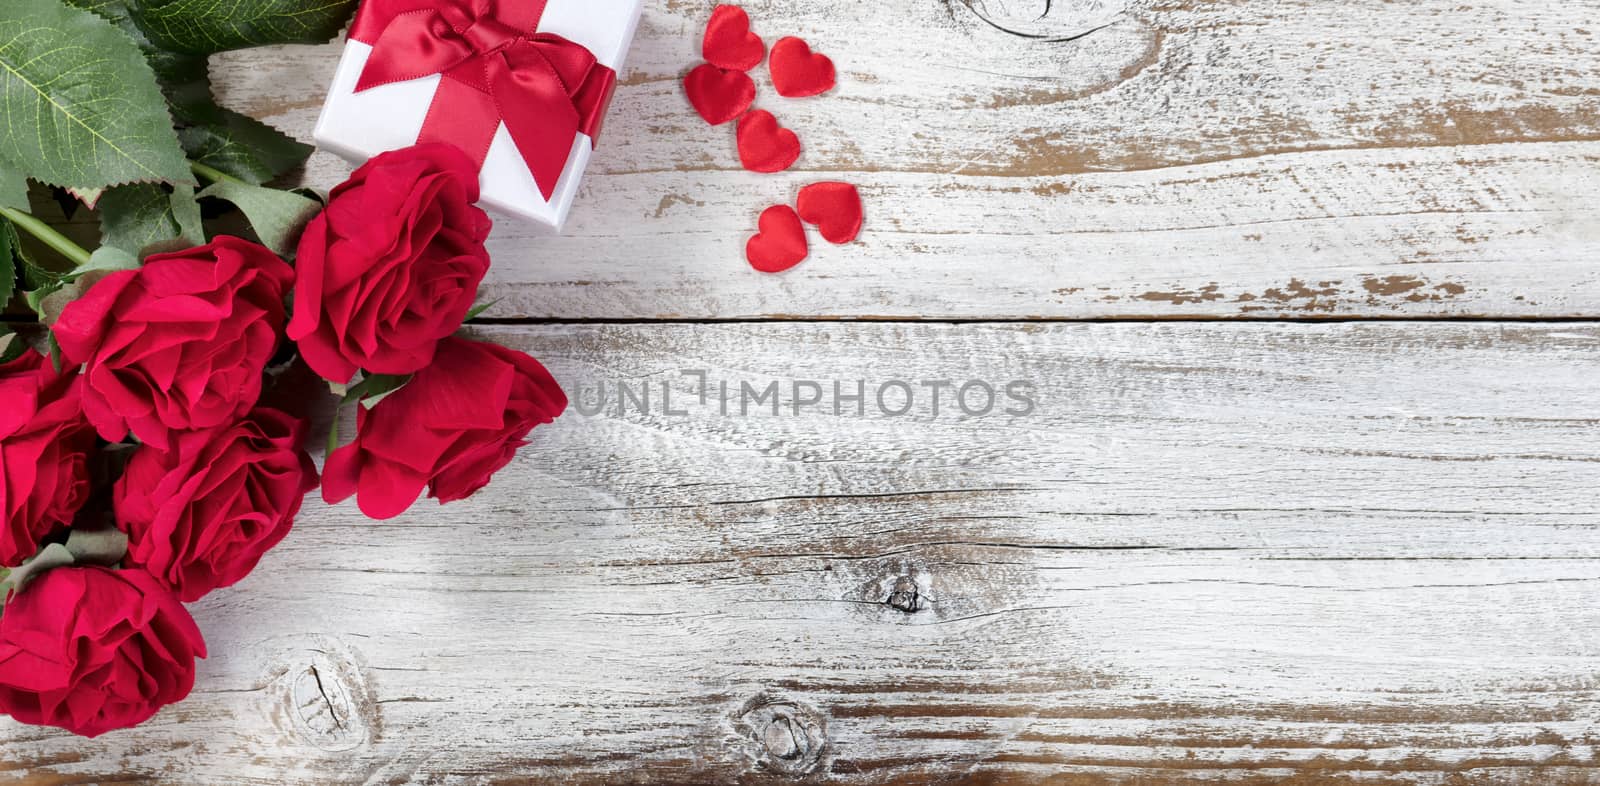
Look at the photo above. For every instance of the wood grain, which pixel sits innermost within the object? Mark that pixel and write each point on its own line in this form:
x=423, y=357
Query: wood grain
x=1097, y=158
x=1243, y=554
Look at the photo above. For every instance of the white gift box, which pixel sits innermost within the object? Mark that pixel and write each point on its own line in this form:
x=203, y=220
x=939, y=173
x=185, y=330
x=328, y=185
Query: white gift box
x=356, y=126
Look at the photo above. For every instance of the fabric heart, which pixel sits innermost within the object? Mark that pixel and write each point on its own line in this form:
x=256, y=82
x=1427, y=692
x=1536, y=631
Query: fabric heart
x=797, y=72
x=728, y=42
x=781, y=243
x=765, y=146
x=835, y=209
x=719, y=95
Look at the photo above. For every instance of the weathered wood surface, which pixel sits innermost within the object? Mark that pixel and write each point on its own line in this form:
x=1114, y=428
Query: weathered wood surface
x=1313, y=555
x=1256, y=158
x=1244, y=554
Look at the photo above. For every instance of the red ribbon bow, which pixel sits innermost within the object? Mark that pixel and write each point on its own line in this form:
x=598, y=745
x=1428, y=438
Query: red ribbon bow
x=496, y=68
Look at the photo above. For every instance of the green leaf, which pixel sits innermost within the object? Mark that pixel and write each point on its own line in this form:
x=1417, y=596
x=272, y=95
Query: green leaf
x=50, y=300
x=333, y=436
x=31, y=276
x=148, y=218
x=186, y=211
x=185, y=79
x=8, y=262
x=11, y=345
x=13, y=189
x=53, y=348
x=204, y=27
x=43, y=299
x=478, y=309
x=373, y=388
x=114, y=10
x=34, y=276
x=79, y=103
x=88, y=197
x=26, y=275
x=244, y=147
x=276, y=216
x=105, y=259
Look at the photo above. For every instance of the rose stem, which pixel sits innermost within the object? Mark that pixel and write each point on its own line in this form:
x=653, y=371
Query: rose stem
x=46, y=235
x=213, y=174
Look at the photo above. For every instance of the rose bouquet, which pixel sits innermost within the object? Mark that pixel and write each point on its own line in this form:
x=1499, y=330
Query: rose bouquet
x=151, y=451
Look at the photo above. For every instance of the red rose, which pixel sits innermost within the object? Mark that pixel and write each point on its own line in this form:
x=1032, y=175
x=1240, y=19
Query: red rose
x=179, y=344
x=392, y=266
x=91, y=650
x=44, y=454
x=457, y=423
x=200, y=516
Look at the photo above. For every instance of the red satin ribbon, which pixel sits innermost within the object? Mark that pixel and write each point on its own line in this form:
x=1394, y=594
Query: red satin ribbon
x=496, y=67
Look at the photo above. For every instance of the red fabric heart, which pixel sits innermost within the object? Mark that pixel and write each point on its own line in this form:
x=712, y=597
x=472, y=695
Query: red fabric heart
x=717, y=94
x=765, y=146
x=781, y=243
x=728, y=42
x=835, y=209
x=797, y=72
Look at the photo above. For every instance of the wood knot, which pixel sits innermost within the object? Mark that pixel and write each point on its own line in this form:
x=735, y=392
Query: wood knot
x=904, y=596
x=894, y=592
x=327, y=703
x=1049, y=21
x=784, y=736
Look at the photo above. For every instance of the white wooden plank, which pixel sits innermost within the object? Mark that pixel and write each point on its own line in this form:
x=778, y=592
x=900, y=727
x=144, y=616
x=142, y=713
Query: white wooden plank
x=1310, y=554
x=1251, y=159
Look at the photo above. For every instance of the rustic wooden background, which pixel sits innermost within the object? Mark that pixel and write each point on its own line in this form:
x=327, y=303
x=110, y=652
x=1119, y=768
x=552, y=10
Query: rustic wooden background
x=1309, y=496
